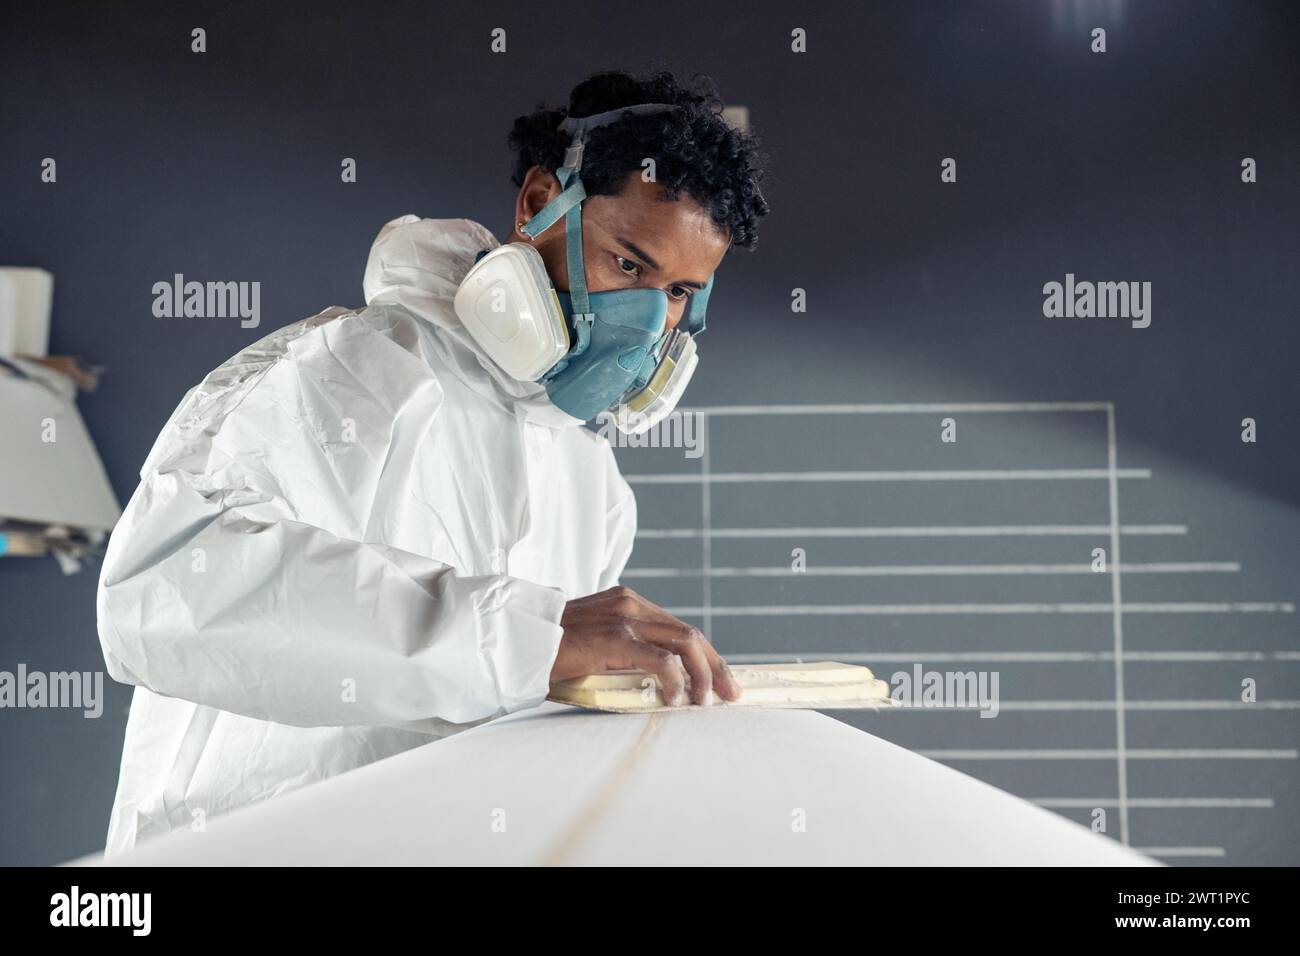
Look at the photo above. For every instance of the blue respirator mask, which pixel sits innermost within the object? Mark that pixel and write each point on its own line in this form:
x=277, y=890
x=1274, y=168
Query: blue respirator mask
x=593, y=351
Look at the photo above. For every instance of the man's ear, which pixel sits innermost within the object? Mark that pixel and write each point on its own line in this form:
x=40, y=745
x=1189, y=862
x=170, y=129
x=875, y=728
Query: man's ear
x=539, y=188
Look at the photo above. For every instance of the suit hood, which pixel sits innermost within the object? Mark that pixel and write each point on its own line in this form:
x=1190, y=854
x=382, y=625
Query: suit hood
x=418, y=264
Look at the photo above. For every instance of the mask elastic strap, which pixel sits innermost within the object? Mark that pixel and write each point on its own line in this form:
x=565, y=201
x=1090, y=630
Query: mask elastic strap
x=569, y=205
x=573, y=194
x=573, y=254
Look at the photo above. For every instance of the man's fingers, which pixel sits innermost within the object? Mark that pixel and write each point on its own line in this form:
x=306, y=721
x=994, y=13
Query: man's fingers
x=651, y=624
x=663, y=664
x=691, y=648
x=686, y=642
x=723, y=682
x=675, y=630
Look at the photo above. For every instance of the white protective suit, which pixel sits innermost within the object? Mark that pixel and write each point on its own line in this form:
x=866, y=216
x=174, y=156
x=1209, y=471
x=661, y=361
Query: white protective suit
x=354, y=537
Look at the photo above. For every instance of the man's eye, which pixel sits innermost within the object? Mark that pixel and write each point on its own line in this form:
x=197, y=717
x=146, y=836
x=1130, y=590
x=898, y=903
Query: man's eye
x=628, y=266
x=680, y=293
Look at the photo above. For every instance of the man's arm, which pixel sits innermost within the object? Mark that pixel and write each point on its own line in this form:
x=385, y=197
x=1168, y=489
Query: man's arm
x=283, y=621
x=239, y=578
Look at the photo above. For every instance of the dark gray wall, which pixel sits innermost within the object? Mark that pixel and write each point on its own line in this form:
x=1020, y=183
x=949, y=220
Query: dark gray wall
x=1120, y=166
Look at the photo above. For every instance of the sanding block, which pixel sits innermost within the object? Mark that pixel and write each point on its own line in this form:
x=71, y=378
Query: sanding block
x=823, y=685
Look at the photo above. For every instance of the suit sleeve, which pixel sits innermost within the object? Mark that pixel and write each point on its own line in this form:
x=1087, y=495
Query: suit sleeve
x=221, y=588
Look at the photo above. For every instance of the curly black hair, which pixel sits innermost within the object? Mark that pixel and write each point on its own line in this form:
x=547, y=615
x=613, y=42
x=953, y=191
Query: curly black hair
x=695, y=150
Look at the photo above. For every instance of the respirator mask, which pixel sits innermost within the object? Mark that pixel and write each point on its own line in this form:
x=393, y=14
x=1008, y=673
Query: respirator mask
x=593, y=351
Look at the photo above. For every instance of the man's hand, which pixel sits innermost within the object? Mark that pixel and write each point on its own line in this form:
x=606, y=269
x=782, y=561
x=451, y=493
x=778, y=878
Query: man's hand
x=618, y=629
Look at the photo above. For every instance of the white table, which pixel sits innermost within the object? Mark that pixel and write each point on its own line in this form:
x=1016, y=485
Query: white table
x=721, y=785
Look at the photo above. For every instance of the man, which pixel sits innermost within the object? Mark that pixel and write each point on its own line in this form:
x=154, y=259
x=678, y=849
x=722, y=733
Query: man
x=362, y=533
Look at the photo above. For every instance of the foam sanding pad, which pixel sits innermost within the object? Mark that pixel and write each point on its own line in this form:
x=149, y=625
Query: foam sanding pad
x=824, y=685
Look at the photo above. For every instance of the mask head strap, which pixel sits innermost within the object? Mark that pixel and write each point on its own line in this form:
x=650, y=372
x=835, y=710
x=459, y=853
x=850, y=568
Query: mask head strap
x=579, y=126
x=569, y=203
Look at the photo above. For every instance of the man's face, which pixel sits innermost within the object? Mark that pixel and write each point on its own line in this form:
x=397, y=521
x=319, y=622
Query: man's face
x=635, y=240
